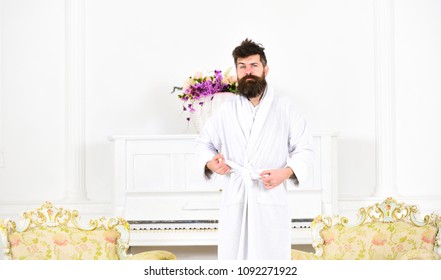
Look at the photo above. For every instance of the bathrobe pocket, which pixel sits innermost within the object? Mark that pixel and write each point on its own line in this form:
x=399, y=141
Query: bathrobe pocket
x=275, y=196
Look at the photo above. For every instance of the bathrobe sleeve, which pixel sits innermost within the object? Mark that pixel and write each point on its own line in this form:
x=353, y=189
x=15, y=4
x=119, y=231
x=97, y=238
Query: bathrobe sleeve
x=206, y=147
x=301, y=152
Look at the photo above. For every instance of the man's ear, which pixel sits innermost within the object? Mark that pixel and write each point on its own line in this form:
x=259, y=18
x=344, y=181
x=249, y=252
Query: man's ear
x=265, y=70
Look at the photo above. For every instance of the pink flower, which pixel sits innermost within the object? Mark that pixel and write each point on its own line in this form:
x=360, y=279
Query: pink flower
x=111, y=236
x=379, y=239
x=328, y=237
x=231, y=79
x=198, y=75
x=14, y=239
x=60, y=239
x=428, y=237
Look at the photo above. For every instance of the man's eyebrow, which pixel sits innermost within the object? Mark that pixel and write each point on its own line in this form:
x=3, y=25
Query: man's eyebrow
x=251, y=63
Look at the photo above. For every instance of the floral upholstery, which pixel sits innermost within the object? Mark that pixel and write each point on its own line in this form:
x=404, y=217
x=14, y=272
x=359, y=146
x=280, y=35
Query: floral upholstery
x=63, y=243
x=51, y=233
x=386, y=231
x=376, y=241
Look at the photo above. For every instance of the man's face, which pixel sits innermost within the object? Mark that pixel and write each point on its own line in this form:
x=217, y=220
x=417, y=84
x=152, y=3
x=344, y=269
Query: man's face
x=250, y=65
x=251, y=76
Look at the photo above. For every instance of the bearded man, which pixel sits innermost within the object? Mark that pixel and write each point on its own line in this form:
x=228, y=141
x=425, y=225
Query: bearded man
x=255, y=141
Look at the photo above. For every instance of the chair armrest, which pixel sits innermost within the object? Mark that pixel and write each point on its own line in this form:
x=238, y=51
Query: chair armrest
x=152, y=255
x=302, y=255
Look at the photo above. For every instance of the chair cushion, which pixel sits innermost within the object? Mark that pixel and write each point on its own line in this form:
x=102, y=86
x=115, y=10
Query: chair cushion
x=64, y=243
x=153, y=255
x=421, y=254
x=301, y=255
x=376, y=240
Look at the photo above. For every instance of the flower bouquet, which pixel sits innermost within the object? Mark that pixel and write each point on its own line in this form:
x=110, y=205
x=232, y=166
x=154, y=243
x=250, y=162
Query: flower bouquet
x=201, y=89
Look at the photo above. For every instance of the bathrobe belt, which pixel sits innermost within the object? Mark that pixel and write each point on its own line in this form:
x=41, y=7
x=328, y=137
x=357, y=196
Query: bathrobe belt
x=246, y=172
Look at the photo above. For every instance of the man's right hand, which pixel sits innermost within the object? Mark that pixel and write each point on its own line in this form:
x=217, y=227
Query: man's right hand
x=217, y=165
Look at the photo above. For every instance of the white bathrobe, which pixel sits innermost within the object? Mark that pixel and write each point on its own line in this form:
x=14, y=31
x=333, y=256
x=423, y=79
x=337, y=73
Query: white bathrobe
x=254, y=222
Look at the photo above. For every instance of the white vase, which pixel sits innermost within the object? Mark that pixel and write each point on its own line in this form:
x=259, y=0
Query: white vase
x=196, y=119
x=218, y=99
x=202, y=113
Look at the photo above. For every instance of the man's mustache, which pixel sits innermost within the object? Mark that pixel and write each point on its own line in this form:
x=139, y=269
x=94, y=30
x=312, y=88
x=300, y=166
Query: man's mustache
x=248, y=77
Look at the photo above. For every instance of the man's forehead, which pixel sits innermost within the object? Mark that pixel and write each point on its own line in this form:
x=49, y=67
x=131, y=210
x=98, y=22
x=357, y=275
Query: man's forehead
x=249, y=59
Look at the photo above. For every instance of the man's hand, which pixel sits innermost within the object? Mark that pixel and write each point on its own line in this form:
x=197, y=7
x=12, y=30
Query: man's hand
x=218, y=165
x=274, y=177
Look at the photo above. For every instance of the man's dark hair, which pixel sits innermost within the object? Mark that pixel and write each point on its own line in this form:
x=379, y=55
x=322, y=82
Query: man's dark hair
x=247, y=48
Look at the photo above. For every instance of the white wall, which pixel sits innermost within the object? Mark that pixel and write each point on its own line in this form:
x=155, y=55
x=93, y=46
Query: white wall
x=321, y=53
x=32, y=94
x=418, y=97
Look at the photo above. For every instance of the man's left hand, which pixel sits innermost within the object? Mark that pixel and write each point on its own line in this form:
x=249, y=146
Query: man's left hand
x=274, y=177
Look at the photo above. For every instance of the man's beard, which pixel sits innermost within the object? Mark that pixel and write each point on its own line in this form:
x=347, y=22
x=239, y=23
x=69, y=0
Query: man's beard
x=251, y=86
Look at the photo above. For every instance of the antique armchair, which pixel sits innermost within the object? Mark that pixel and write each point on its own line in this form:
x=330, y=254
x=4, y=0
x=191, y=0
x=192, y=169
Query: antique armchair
x=51, y=233
x=384, y=231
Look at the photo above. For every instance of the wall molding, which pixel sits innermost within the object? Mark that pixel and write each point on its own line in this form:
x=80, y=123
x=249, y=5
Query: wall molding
x=75, y=100
x=2, y=155
x=13, y=209
x=385, y=126
x=426, y=204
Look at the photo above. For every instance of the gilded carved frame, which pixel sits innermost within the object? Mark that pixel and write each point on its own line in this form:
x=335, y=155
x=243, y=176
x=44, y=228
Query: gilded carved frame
x=388, y=211
x=51, y=216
